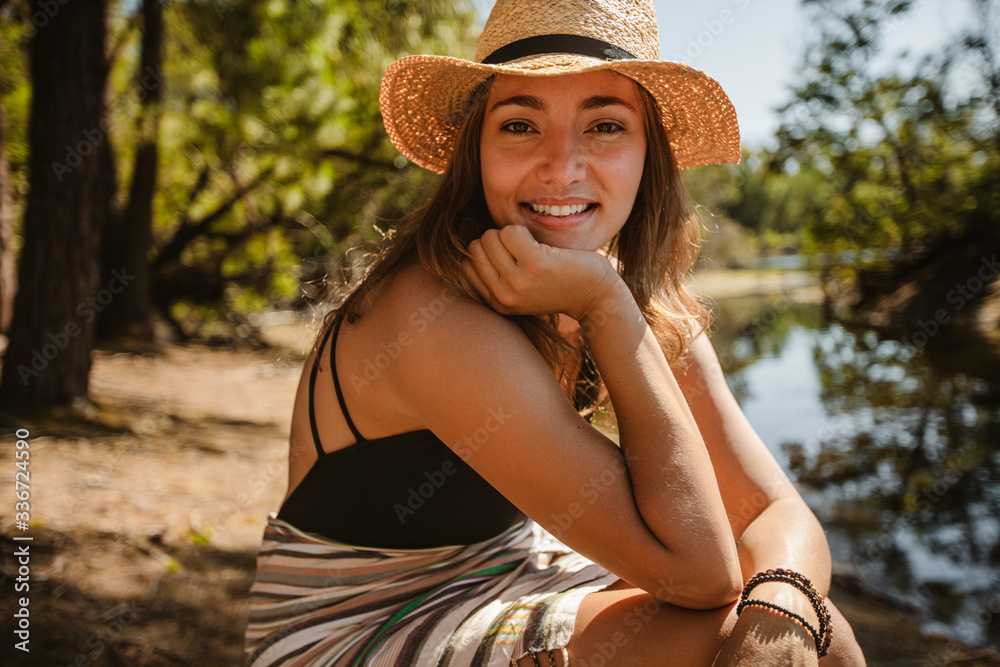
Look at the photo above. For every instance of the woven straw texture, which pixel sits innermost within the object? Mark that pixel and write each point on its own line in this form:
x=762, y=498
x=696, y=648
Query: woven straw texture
x=424, y=98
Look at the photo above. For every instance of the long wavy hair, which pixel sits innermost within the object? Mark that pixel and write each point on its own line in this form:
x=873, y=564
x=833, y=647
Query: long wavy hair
x=653, y=252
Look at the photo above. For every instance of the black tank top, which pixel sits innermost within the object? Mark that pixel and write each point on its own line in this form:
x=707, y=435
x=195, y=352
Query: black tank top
x=403, y=491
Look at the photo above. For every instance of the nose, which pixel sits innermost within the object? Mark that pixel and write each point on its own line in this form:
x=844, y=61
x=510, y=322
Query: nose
x=561, y=160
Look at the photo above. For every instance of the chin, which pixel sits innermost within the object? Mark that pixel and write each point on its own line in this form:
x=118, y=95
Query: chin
x=569, y=243
x=589, y=247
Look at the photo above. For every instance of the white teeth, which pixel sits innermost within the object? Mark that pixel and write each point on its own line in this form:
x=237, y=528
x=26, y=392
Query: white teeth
x=558, y=211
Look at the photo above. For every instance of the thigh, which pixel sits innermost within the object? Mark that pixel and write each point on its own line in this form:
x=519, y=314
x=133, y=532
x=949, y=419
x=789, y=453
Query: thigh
x=623, y=625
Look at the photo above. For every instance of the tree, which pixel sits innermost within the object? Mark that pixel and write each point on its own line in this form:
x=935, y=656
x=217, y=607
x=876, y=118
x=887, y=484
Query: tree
x=911, y=159
x=278, y=160
x=14, y=95
x=129, y=237
x=243, y=179
x=61, y=289
x=8, y=273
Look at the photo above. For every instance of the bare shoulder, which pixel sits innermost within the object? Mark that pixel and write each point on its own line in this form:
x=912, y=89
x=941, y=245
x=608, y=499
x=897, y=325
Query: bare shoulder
x=437, y=323
x=419, y=339
x=417, y=300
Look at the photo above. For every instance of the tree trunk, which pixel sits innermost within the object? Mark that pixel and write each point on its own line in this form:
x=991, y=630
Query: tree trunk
x=61, y=289
x=129, y=245
x=8, y=271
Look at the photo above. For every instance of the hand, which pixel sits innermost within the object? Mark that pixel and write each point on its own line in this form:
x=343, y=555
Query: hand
x=517, y=275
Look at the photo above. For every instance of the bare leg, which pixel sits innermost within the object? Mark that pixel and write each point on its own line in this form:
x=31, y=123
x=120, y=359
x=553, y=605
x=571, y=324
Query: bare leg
x=625, y=626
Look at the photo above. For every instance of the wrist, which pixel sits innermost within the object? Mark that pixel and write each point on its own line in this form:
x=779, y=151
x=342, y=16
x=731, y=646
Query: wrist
x=768, y=637
x=787, y=597
x=782, y=585
x=610, y=297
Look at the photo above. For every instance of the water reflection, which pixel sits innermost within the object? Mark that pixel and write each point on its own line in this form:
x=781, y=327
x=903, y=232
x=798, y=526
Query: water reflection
x=894, y=448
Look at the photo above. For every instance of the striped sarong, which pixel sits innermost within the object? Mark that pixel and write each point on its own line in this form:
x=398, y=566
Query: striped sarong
x=321, y=602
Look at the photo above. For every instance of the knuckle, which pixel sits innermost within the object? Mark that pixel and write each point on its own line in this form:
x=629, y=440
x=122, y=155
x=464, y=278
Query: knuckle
x=508, y=232
x=518, y=283
x=504, y=297
x=531, y=266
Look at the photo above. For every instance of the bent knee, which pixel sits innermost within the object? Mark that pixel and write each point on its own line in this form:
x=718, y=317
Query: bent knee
x=844, y=648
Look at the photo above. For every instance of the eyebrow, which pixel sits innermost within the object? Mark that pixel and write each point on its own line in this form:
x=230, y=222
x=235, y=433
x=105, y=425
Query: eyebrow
x=532, y=102
x=528, y=101
x=599, y=101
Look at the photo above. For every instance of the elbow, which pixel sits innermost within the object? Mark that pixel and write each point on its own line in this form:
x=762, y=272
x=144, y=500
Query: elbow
x=722, y=580
x=727, y=592
x=724, y=592
x=703, y=592
x=731, y=586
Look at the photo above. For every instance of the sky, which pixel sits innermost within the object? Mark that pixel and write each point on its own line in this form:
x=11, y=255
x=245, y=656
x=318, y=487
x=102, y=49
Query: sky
x=754, y=47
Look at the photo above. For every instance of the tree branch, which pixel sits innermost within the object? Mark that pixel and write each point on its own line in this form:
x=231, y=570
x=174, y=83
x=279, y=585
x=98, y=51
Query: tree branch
x=188, y=231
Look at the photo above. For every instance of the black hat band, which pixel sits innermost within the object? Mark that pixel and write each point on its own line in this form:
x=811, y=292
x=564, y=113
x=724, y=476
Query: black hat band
x=542, y=44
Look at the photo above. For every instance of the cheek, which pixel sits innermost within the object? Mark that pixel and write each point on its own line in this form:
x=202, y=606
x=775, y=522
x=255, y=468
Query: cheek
x=637, y=165
x=624, y=175
x=490, y=189
x=498, y=186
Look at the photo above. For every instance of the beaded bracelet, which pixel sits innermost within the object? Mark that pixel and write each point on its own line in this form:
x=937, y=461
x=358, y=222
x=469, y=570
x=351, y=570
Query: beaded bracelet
x=785, y=612
x=799, y=581
x=803, y=584
x=824, y=635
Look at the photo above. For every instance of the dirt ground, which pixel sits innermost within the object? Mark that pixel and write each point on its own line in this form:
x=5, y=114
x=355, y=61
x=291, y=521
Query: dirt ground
x=148, y=504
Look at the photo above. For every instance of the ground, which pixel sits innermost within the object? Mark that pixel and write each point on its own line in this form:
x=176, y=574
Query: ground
x=147, y=507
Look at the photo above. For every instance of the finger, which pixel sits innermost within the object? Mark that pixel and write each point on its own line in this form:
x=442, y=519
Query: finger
x=481, y=288
x=519, y=242
x=498, y=253
x=483, y=266
x=475, y=281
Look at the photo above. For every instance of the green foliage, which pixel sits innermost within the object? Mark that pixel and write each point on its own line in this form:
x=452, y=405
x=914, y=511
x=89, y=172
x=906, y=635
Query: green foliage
x=765, y=200
x=873, y=167
x=15, y=90
x=271, y=126
x=900, y=162
x=273, y=157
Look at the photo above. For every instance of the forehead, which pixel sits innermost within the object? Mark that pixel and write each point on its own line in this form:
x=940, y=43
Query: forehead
x=603, y=83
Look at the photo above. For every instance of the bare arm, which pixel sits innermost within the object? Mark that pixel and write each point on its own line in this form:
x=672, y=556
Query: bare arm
x=669, y=477
x=770, y=520
x=672, y=478
x=774, y=526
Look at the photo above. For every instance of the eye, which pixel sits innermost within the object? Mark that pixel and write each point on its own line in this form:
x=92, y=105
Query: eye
x=516, y=127
x=609, y=128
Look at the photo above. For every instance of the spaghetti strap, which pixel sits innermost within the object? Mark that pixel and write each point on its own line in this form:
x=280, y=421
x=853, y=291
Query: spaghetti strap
x=312, y=402
x=336, y=383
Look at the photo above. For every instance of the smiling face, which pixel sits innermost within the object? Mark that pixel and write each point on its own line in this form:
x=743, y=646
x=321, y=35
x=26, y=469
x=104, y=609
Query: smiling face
x=563, y=156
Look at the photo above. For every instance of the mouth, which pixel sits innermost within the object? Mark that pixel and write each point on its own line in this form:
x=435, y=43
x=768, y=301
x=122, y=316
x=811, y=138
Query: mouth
x=556, y=211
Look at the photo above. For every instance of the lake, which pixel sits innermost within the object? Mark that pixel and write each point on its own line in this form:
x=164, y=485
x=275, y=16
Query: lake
x=895, y=449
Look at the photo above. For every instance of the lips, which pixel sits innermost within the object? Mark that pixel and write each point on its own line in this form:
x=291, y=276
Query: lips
x=559, y=216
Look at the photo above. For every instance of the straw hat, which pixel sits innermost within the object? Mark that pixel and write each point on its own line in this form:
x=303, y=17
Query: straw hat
x=424, y=98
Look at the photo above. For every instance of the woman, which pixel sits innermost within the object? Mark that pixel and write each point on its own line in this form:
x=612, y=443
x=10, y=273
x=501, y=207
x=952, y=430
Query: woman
x=438, y=441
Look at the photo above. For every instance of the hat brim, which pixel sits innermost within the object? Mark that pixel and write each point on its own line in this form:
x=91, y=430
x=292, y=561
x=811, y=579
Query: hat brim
x=424, y=98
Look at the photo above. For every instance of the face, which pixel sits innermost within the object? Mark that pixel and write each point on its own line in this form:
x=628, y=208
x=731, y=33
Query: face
x=563, y=156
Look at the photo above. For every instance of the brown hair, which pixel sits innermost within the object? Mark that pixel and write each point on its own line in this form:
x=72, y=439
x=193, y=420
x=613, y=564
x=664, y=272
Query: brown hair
x=655, y=249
